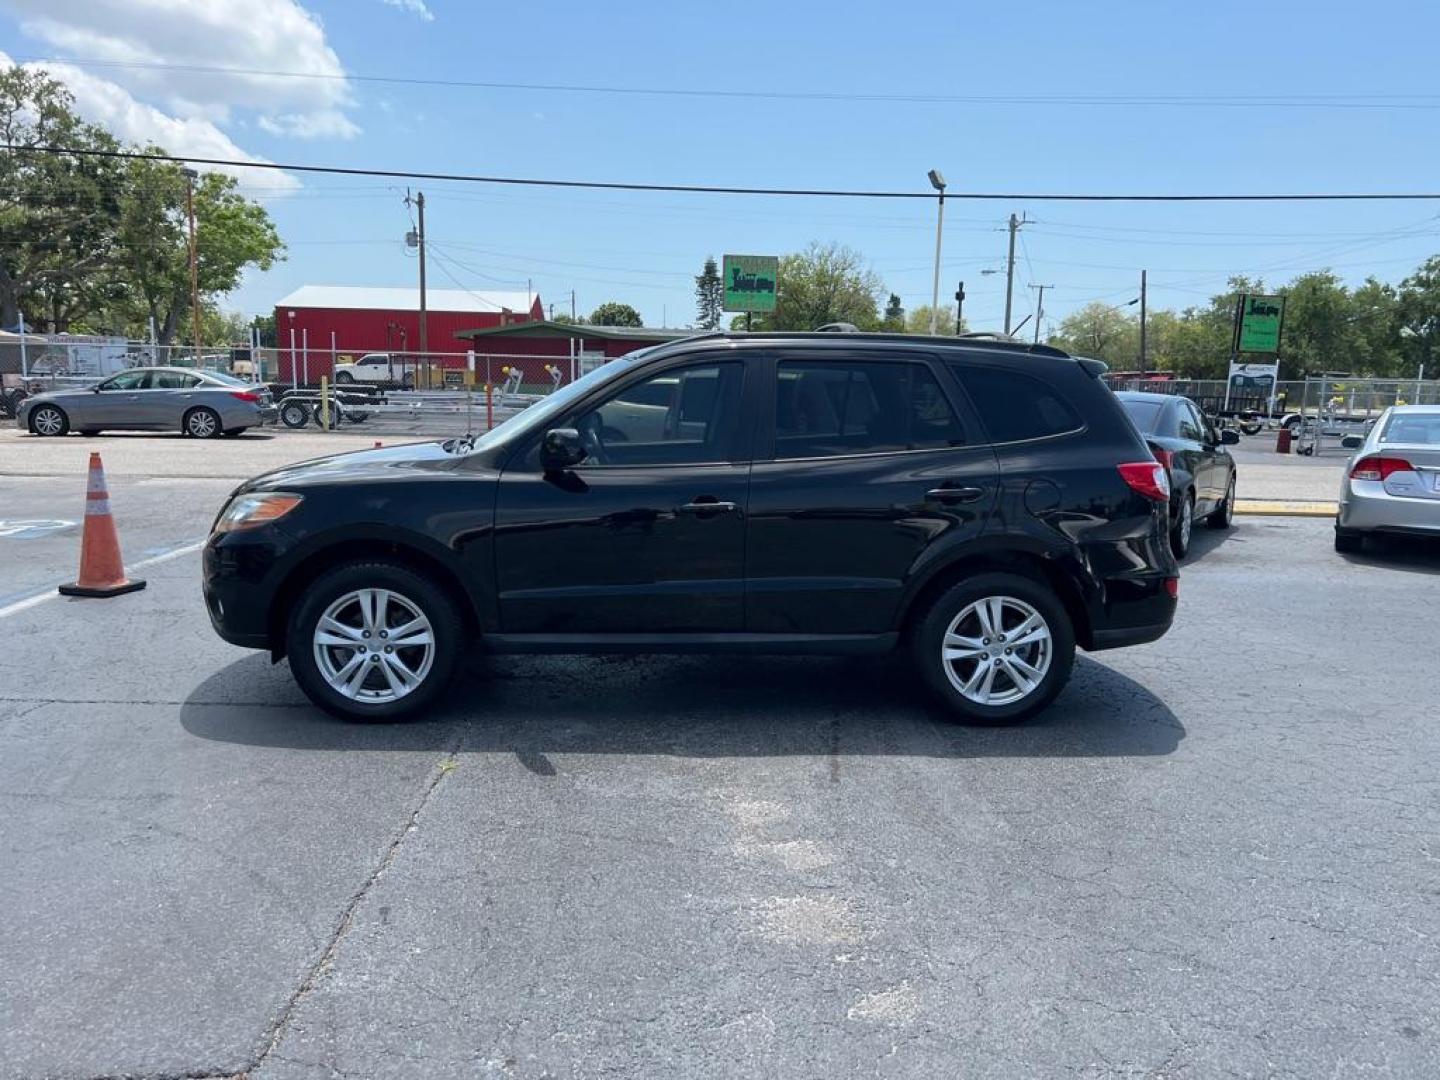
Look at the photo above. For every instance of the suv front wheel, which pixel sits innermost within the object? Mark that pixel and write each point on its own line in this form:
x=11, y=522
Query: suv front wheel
x=995, y=648
x=374, y=641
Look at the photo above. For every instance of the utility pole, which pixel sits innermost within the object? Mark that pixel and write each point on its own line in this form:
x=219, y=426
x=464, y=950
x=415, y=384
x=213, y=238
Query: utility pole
x=1142, y=322
x=1040, y=308
x=419, y=203
x=959, y=307
x=190, y=176
x=572, y=305
x=1015, y=224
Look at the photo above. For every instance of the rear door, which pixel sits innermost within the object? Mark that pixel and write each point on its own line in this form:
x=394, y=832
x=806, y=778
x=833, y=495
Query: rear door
x=169, y=396
x=865, y=461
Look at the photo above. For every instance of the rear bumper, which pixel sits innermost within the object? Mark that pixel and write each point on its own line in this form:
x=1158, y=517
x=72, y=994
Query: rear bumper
x=1363, y=510
x=1127, y=635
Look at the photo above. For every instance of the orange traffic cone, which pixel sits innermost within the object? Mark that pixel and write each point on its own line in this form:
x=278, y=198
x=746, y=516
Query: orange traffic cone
x=102, y=571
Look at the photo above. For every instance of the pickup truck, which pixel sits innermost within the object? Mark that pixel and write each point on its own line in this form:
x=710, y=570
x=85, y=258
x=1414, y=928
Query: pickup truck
x=376, y=369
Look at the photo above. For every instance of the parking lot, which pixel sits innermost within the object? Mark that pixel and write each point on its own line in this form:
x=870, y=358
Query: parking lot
x=1215, y=854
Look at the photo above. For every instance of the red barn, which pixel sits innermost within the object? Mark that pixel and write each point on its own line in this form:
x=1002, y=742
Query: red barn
x=358, y=319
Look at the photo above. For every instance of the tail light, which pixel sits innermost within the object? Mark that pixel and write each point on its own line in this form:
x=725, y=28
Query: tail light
x=1166, y=458
x=1379, y=467
x=1172, y=586
x=245, y=395
x=1148, y=478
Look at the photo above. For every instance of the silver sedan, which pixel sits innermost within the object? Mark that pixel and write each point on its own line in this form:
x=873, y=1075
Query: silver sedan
x=1393, y=484
x=204, y=404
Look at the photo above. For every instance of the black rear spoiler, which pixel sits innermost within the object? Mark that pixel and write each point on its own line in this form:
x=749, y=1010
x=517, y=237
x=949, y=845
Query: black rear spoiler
x=1095, y=368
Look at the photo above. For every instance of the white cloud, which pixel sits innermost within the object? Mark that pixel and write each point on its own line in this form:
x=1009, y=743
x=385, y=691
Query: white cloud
x=112, y=107
x=414, y=7
x=254, y=37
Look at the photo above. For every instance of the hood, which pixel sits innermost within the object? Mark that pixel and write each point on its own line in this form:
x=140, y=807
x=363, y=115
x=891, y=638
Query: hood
x=387, y=463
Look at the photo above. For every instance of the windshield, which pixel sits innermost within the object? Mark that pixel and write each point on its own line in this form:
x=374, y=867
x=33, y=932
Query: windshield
x=1414, y=429
x=1145, y=415
x=553, y=405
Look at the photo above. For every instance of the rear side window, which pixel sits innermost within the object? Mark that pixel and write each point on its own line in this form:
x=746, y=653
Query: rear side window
x=1015, y=407
x=832, y=409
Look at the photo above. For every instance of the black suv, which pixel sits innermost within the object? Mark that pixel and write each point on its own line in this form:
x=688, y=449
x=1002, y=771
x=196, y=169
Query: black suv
x=984, y=504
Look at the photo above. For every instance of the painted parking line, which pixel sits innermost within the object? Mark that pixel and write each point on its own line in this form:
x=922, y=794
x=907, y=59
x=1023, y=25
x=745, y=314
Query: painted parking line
x=1286, y=508
x=48, y=592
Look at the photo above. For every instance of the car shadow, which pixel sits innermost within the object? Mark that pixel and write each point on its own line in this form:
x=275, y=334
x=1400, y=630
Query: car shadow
x=1204, y=541
x=1414, y=554
x=698, y=706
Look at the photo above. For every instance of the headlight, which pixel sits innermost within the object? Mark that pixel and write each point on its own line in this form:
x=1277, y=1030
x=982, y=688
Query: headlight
x=257, y=508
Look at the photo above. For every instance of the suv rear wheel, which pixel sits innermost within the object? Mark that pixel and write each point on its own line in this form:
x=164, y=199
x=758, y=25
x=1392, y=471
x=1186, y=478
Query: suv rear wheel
x=995, y=648
x=374, y=641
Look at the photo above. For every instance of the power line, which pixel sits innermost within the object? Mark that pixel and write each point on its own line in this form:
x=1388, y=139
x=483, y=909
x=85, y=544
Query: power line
x=1297, y=101
x=707, y=189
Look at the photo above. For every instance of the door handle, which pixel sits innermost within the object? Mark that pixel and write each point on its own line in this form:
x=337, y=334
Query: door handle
x=706, y=505
x=954, y=494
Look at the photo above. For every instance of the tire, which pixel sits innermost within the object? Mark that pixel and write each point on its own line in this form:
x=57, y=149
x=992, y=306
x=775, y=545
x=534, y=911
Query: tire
x=956, y=613
x=344, y=377
x=337, y=415
x=295, y=414
x=1184, y=526
x=1348, y=541
x=202, y=423
x=49, y=420
x=336, y=595
x=1222, y=515
x=1250, y=428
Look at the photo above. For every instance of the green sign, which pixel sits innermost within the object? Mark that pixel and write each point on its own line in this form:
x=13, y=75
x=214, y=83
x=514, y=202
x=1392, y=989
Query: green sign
x=1260, y=321
x=750, y=282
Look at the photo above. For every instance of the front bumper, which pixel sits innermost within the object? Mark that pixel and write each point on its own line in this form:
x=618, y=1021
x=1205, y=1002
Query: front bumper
x=239, y=572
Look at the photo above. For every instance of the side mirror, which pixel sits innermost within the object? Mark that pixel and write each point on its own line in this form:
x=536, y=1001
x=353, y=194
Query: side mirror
x=95, y=389
x=1229, y=438
x=560, y=449
x=1352, y=442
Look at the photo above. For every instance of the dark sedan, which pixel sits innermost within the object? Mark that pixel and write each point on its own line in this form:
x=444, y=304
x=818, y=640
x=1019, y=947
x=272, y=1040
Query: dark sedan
x=1202, y=472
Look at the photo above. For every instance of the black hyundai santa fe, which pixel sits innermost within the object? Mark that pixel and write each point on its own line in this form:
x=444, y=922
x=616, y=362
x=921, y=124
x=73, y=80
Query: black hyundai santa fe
x=985, y=505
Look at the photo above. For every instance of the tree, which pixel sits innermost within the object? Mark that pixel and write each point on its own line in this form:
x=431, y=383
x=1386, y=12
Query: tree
x=56, y=210
x=232, y=233
x=894, y=319
x=918, y=321
x=709, y=296
x=1104, y=332
x=614, y=313
x=825, y=283
x=567, y=320
x=1418, y=318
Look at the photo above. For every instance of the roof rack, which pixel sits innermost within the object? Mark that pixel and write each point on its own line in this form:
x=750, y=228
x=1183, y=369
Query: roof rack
x=985, y=339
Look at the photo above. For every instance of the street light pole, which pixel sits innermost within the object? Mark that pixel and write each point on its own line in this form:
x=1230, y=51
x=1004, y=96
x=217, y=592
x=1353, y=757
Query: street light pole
x=1142, y=323
x=937, y=181
x=190, y=177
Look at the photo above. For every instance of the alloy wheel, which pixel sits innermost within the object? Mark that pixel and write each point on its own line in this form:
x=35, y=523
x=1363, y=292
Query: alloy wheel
x=997, y=651
x=1187, y=523
x=374, y=646
x=49, y=421
x=202, y=424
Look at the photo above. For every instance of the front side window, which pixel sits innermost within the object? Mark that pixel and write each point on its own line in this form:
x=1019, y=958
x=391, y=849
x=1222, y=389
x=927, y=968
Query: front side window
x=828, y=409
x=127, y=380
x=1015, y=407
x=683, y=416
x=1191, y=426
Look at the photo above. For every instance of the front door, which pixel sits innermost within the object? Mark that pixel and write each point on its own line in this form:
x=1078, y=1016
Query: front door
x=171, y=395
x=120, y=401
x=647, y=535
x=867, y=464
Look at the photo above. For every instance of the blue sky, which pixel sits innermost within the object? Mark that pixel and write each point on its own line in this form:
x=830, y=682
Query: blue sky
x=643, y=249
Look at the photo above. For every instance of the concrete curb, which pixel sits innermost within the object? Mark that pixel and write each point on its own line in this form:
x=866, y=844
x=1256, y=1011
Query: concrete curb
x=1285, y=508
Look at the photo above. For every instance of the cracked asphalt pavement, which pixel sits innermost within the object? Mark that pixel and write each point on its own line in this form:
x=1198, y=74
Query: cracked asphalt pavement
x=1218, y=854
